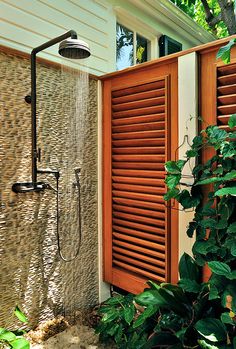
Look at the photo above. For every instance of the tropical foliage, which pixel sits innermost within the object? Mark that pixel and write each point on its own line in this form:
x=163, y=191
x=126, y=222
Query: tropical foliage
x=216, y=16
x=191, y=314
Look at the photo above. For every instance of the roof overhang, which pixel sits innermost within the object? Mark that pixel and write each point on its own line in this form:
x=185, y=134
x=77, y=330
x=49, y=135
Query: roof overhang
x=166, y=12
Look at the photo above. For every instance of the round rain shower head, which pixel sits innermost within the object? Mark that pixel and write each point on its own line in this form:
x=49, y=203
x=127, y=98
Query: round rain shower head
x=74, y=49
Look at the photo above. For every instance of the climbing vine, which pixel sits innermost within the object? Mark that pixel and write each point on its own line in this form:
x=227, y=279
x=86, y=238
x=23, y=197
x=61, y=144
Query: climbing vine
x=192, y=314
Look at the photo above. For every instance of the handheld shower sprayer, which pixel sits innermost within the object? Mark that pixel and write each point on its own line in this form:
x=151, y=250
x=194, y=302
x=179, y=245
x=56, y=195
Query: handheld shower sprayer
x=70, y=47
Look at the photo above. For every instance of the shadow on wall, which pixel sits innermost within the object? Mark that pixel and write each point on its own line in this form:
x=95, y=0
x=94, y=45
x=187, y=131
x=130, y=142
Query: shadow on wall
x=32, y=275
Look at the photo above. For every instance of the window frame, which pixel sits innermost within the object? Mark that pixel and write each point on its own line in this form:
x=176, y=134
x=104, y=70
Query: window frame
x=140, y=28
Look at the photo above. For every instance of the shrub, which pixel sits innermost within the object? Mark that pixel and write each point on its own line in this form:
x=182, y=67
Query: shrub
x=191, y=314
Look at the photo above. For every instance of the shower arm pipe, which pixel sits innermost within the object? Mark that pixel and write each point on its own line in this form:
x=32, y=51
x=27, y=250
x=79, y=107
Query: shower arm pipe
x=35, y=155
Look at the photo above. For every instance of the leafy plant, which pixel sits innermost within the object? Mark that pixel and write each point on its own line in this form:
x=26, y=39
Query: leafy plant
x=191, y=314
x=14, y=339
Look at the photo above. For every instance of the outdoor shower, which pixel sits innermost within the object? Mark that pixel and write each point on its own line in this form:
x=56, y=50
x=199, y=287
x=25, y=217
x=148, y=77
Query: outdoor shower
x=69, y=48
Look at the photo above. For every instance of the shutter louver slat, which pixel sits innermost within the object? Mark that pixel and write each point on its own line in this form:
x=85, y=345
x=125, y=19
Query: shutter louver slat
x=138, y=203
x=159, y=125
x=140, y=173
x=139, y=96
x=140, y=150
x=145, y=258
x=140, y=180
x=226, y=95
x=139, y=104
x=138, y=196
x=157, y=85
x=140, y=234
x=139, y=263
x=139, y=226
x=147, y=274
x=138, y=142
x=139, y=119
x=139, y=223
x=135, y=210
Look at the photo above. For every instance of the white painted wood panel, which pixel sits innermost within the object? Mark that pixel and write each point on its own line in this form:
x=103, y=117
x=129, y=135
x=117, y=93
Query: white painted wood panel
x=187, y=130
x=26, y=24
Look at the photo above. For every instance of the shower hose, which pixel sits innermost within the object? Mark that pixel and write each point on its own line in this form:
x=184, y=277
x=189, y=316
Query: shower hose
x=58, y=222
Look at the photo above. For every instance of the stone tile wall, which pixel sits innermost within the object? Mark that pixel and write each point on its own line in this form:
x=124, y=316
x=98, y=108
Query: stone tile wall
x=32, y=274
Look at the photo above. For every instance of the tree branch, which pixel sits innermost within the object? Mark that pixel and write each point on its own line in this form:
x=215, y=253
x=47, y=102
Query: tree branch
x=214, y=20
x=207, y=10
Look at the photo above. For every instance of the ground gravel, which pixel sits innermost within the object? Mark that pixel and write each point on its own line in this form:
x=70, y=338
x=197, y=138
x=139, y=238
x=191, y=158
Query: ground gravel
x=74, y=337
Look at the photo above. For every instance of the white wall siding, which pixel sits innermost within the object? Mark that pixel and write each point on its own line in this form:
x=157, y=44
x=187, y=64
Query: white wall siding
x=26, y=24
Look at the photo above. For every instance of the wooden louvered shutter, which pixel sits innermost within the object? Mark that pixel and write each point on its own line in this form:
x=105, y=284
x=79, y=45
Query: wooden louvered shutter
x=139, y=149
x=226, y=94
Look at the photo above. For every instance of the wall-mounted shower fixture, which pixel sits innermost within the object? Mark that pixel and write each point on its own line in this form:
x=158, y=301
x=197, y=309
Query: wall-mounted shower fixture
x=69, y=48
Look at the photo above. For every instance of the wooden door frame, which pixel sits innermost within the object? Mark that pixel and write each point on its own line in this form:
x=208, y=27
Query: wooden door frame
x=169, y=69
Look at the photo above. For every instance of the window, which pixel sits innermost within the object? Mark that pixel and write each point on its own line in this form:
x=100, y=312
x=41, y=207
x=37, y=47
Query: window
x=168, y=45
x=131, y=47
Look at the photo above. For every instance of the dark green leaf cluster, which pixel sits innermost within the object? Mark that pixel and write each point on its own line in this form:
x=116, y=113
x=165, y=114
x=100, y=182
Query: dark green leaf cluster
x=14, y=339
x=188, y=315
x=124, y=323
x=191, y=314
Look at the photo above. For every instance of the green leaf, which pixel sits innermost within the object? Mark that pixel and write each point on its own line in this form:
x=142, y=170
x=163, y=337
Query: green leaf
x=111, y=331
x=175, y=167
x=172, y=303
x=172, y=180
x=219, y=268
x=231, y=276
x=188, y=201
x=224, y=51
x=115, y=300
x=209, y=180
x=191, y=153
x=229, y=176
x=191, y=229
x=188, y=268
x=148, y=312
x=232, y=228
x=6, y=335
x=208, y=223
x=171, y=194
x=202, y=246
x=214, y=293
x=153, y=285
x=226, y=191
x=205, y=345
x=20, y=315
x=129, y=313
x=216, y=136
x=189, y=285
x=226, y=319
x=211, y=329
x=219, y=170
x=222, y=224
x=20, y=343
x=150, y=297
x=232, y=121
x=233, y=248
x=110, y=315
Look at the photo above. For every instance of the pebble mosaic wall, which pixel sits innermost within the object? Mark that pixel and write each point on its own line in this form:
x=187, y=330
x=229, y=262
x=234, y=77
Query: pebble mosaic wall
x=32, y=274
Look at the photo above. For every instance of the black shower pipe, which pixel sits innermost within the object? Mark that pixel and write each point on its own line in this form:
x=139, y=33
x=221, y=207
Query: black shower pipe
x=33, y=98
